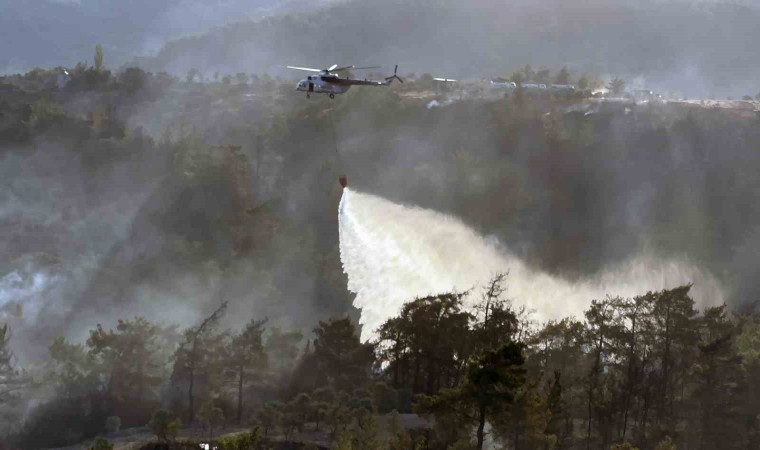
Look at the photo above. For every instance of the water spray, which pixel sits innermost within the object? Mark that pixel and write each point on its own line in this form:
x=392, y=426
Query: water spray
x=394, y=253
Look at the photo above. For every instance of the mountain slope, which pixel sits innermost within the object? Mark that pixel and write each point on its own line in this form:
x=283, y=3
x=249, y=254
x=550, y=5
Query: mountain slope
x=64, y=32
x=700, y=49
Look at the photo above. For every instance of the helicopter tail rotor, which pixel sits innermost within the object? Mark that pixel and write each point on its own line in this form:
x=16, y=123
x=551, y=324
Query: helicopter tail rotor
x=390, y=79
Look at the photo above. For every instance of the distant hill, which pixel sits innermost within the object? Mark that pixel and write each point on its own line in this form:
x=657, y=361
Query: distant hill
x=63, y=32
x=698, y=48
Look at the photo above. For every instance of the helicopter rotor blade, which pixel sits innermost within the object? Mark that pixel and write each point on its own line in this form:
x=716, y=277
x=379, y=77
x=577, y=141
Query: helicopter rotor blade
x=333, y=68
x=338, y=69
x=307, y=69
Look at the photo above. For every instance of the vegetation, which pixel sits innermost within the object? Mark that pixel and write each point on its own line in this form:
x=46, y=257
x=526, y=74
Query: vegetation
x=98, y=58
x=616, y=86
x=164, y=426
x=636, y=373
x=651, y=371
x=615, y=37
x=243, y=441
x=11, y=380
x=212, y=418
x=618, y=36
x=198, y=359
x=102, y=444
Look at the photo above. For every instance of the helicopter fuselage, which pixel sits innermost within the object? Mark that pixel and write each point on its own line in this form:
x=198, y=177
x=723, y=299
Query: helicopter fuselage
x=323, y=84
x=329, y=82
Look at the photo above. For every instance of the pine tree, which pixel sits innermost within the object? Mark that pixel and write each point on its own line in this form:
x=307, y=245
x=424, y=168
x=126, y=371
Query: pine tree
x=130, y=358
x=721, y=388
x=98, y=58
x=527, y=421
x=490, y=387
x=11, y=381
x=339, y=354
x=616, y=86
x=198, y=357
x=246, y=357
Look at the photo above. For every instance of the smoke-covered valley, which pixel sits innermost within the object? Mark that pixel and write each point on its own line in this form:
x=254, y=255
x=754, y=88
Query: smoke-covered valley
x=160, y=217
x=134, y=192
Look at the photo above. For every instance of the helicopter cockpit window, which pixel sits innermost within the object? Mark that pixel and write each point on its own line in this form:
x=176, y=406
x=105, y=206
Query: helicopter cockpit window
x=308, y=78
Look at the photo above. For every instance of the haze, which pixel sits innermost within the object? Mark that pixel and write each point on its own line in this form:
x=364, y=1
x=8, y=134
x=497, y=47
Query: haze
x=160, y=173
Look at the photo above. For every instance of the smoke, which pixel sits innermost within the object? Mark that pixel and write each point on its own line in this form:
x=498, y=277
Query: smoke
x=691, y=47
x=60, y=212
x=20, y=288
x=393, y=253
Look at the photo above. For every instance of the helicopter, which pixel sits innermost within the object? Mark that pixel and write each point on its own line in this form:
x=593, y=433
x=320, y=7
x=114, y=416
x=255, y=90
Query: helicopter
x=328, y=81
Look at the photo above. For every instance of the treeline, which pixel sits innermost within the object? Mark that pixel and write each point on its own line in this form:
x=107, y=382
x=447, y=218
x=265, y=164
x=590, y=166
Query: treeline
x=544, y=182
x=643, y=371
x=650, y=371
x=646, y=372
x=201, y=374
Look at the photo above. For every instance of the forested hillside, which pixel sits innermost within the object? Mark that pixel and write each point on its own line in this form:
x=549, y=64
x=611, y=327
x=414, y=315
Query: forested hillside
x=210, y=177
x=135, y=203
x=695, y=48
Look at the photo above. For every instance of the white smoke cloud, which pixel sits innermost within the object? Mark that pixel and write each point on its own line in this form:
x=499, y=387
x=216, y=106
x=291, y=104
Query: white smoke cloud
x=393, y=253
x=19, y=290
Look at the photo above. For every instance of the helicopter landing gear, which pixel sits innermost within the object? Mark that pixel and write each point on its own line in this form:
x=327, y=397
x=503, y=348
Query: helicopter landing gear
x=332, y=95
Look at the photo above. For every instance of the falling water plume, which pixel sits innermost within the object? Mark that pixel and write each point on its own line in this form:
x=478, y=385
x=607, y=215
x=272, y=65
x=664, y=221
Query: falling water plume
x=394, y=253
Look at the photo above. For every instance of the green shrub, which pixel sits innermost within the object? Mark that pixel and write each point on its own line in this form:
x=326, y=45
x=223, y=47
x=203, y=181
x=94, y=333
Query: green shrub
x=623, y=446
x=666, y=444
x=163, y=426
x=242, y=441
x=102, y=443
